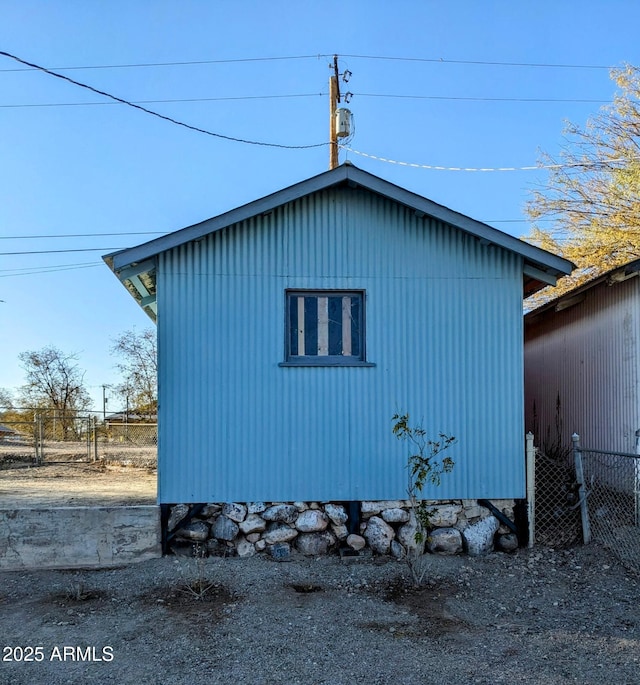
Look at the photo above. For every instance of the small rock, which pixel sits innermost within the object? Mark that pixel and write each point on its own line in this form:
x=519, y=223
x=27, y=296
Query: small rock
x=337, y=513
x=256, y=507
x=397, y=550
x=285, y=513
x=301, y=506
x=177, y=514
x=372, y=508
x=356, y=542
x=225, y=529
x=407, y=534
x=507, y=542
x=197, y=531
x=395, y=515
x=478, y=538
x=281, y=551
x=254, y=523
x=341, y=531
x=312, y=521
x=279, y=532
x=253, y=537
x=244, y=548
x=379, y=535
x=445, y=516
x=235, y=512
x=260, y=545
x=314, y=544
x=445, y=541
x=210, y=510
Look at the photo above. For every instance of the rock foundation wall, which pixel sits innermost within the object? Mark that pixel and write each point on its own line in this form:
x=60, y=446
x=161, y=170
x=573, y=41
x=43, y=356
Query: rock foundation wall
x=313, y=528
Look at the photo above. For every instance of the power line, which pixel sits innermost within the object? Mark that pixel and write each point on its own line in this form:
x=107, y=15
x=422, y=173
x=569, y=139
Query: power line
x=78, y=235
x=83, y=249
x=434, y=167
x=480, y=99
x=47, y=270
x=426, y=60
x=157, y=114
x=176, y=64
x=442, y=60
x=452, y=98
x=147, y=102
x=50, y=266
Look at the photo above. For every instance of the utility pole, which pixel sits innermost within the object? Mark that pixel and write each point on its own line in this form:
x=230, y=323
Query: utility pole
x=104, y=403
x=334, y=99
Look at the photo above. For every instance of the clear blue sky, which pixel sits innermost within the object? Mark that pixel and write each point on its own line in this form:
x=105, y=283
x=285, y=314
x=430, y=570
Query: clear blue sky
x=75, y=168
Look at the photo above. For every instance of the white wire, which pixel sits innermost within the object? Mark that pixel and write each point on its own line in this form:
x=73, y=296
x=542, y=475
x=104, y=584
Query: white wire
x=455, y=168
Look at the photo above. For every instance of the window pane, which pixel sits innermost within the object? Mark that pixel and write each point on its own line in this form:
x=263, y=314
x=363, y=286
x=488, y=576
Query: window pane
x=335, y=325
x=293, y=326
x=355, y=326
x=310, y=326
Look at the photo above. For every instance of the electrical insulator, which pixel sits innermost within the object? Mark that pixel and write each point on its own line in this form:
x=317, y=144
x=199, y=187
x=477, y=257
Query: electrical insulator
x=343, y=123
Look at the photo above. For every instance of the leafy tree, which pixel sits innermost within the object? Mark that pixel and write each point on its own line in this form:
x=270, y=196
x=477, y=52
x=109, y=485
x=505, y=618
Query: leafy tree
x=593, y=190
x=138, y=364
x=54, y=381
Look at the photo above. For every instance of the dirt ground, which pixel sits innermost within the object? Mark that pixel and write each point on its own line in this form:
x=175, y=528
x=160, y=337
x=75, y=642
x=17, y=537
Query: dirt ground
x=75, y=483
x=537, y=617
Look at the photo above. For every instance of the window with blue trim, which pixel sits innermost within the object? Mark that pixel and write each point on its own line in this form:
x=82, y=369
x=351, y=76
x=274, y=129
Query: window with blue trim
x=325, y=327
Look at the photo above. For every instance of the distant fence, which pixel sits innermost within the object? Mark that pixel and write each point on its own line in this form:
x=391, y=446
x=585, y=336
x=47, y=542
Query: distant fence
x=585, y=494
x=52, y=436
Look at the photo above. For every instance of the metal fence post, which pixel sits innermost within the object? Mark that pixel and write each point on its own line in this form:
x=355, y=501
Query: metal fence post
x=530, y=456
x=584, y=511
x=95, y=439
x=35, y=440
x=636, y=480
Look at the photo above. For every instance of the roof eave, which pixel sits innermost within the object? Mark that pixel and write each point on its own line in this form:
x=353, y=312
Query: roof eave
x=534, y=256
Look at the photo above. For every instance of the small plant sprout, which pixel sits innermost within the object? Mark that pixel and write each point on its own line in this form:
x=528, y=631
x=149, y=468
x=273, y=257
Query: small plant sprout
x=425, y=465
x=198, y=586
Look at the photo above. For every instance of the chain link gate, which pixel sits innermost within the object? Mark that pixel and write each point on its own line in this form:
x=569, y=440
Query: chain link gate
x=51, y=437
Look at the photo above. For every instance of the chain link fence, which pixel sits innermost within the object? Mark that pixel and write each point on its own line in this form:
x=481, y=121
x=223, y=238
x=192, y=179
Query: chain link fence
x=582, y=494
x=35, y=437
x=557, y=515
x=612, y=483
x=129, y=444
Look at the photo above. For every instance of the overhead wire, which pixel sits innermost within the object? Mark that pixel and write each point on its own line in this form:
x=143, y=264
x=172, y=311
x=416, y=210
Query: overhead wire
x=481, y=99
x=398, y=96
x=177, y=122
x=81, y=249
x=45, y=270
x=166, y=101
x=434, y=167
x=50, y=266
x=78, y=235
x=176, y=64
x=492, y=63
x=390, y=58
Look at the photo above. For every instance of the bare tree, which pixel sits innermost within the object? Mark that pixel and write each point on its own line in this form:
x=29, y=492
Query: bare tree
x=54, y=381
x=138, y=364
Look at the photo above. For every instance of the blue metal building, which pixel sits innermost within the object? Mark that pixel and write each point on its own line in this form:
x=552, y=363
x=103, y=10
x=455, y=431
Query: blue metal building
x=292, y=329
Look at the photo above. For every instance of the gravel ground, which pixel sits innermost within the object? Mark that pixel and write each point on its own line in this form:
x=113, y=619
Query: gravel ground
x=542, y=616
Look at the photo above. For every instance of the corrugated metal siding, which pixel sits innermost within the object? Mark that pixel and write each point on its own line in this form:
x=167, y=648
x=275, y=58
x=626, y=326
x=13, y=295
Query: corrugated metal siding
x=588, y=356
x=443, y=326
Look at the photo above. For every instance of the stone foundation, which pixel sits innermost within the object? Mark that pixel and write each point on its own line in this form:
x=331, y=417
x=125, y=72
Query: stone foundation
x=316, y=528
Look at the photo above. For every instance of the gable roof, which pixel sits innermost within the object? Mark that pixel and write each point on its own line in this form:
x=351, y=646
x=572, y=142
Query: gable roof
x=135, y=266
x=567, y=299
